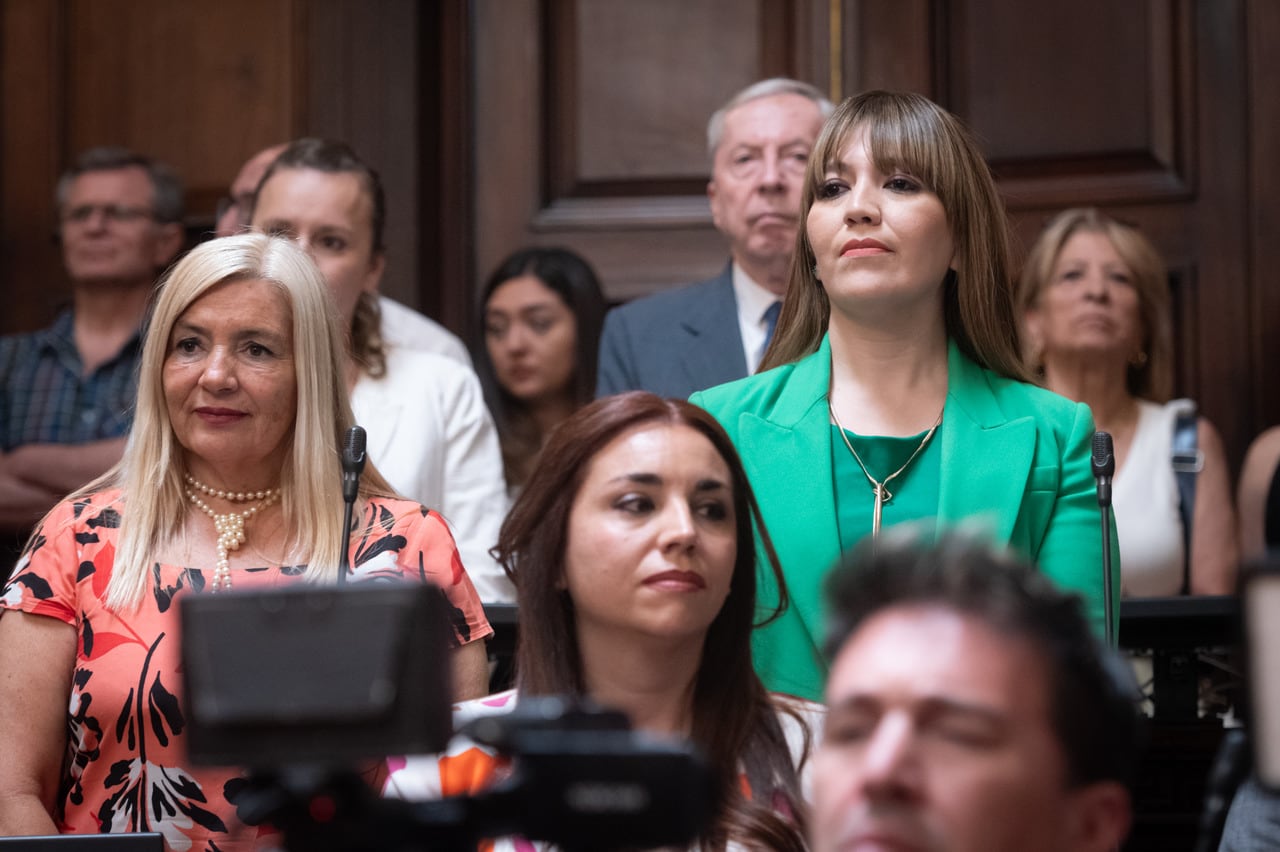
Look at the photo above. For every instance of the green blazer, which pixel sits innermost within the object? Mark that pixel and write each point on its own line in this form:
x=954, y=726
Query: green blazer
x=1015, y=458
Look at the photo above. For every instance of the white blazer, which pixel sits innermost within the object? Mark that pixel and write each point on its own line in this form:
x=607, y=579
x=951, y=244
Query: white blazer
x=404, y=327
x=431, y=436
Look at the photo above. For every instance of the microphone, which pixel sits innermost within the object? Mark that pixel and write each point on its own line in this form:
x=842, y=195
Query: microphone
x=353, y=458
x=1104, y=467
x=352, y=462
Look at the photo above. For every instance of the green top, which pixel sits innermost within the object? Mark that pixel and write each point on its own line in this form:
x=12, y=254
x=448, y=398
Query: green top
x=1011, y=457
x=914, y=491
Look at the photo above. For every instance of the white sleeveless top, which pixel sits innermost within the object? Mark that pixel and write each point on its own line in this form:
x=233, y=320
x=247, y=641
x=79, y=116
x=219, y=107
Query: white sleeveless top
x=1145, y=502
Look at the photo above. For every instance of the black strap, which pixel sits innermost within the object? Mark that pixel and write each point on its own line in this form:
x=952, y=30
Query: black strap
x=1188, y=461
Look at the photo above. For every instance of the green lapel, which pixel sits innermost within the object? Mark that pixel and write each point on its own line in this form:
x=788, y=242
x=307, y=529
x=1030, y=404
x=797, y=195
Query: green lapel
x=792, y=474
x=986, y=457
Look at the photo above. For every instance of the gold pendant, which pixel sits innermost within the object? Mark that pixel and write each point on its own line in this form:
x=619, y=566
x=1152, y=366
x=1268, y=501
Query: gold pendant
x=881, y=495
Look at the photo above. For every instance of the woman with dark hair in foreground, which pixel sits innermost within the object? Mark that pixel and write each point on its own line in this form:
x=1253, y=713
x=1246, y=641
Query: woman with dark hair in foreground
x=632, y=549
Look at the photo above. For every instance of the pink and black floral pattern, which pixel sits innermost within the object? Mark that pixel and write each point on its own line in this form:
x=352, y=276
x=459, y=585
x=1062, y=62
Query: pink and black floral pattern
x=126, y=768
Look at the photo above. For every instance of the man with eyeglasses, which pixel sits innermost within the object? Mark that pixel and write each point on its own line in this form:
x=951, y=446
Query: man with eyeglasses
x=685, y=340
x=67, y=391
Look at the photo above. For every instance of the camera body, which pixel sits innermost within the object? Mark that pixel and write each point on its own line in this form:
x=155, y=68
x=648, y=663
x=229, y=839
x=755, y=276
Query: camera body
x=303, y=684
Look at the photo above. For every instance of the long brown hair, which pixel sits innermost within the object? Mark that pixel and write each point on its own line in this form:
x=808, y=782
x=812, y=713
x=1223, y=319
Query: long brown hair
x=910, y=131
x=735, y=719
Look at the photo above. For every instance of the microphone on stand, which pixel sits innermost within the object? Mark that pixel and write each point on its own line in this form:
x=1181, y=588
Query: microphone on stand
x=353, y=458
x=1104, y=467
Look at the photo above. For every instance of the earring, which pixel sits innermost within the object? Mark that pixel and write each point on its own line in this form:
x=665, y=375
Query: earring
x=815, y=274
x=1139, y=360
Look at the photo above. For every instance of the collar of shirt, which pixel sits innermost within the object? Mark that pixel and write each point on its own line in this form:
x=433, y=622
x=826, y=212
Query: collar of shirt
x=753, y=300
x=60, y=338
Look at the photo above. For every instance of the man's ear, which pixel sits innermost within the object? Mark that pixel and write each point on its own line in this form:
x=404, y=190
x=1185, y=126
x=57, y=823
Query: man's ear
x=1099, y=817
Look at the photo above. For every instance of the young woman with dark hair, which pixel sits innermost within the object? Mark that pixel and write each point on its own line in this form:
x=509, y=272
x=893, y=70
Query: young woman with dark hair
x=540, y=335
x=633, y=550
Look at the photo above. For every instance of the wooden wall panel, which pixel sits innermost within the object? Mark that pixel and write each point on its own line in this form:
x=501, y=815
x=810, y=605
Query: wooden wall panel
x=191, y=84
x=503, y=122
x=30, y=122
x=362, y=86
x=180, y=81
x=886, y=46
x=590, y=128
x=626, y=133
x=1085, y=118
x=1137, y=107
x=1059, y=60
x=202, y=87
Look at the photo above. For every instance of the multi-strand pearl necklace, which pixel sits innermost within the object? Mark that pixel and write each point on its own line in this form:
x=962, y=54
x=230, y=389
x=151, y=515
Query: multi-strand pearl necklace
x=229, y=526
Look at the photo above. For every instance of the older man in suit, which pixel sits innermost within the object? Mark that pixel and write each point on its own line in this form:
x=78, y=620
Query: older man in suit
x=681, y=341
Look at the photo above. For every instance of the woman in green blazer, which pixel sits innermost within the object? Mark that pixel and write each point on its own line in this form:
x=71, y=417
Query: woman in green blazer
x=893, y=390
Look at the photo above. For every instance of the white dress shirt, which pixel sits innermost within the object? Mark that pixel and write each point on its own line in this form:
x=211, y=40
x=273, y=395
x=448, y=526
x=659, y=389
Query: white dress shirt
x=753, y=300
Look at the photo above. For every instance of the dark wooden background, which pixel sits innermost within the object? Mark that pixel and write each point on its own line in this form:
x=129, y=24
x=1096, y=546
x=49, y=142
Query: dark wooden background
x=580, y=122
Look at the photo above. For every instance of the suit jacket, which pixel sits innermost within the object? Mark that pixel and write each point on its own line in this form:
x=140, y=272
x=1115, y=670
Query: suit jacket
x=431, y=436
x=673, y=343
x=1015, y=458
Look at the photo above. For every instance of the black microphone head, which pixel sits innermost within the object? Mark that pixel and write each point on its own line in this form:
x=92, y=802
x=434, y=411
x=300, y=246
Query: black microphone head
x=353, y=448
x=1104, y=458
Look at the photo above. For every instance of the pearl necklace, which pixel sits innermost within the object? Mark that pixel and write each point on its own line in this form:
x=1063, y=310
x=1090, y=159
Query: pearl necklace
x=879, y=486
x=229, y=526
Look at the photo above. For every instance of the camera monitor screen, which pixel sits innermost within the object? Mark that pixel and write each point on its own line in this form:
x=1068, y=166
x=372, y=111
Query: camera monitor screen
x=313, y=674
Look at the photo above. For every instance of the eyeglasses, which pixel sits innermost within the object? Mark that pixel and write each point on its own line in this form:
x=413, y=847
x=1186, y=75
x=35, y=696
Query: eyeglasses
x=110, y=212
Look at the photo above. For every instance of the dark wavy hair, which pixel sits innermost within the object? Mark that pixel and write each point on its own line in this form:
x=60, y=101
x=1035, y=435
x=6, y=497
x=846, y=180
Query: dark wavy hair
x=735, y=720
x=575, y=282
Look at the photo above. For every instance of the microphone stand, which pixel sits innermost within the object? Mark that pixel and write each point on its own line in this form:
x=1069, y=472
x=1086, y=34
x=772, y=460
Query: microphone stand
x=353, y=458
x=1104, y=467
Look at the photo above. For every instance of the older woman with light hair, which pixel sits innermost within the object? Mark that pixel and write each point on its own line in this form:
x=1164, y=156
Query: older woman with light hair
x=1094, y=299
x=231, y=479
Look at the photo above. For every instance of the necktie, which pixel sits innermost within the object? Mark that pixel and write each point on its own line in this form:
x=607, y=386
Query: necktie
x=770, y=323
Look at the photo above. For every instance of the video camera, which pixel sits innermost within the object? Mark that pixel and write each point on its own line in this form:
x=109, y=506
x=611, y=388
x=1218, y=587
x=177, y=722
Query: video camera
x=301, y=685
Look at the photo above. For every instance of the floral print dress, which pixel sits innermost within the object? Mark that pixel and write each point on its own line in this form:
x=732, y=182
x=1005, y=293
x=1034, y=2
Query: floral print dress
x=126, y=768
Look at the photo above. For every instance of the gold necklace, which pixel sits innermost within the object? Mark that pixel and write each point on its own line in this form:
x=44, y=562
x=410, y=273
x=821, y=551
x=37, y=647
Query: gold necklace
x=229, y=526
x=879, y=487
